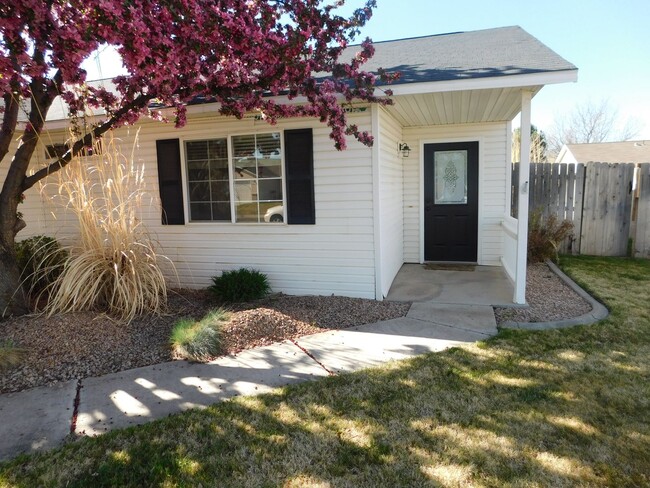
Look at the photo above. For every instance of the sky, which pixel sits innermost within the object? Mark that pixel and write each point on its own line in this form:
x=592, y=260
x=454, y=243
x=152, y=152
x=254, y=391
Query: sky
x=609, y=42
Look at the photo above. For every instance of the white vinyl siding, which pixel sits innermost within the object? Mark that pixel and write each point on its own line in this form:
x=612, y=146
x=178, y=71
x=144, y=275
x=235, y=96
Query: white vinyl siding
x=391, y=211
x=336, y=255
x=493, y=154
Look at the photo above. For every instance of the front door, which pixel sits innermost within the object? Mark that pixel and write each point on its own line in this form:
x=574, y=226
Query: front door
x=451, y=202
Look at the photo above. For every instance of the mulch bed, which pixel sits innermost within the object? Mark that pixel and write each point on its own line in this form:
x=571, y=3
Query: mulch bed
x=83, y=344
x=548, y=297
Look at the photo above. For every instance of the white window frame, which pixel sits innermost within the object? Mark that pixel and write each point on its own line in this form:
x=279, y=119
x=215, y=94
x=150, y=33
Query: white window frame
x=233, y=210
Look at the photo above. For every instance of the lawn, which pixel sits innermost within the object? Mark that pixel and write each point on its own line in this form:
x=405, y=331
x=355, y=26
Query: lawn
x=554, y=408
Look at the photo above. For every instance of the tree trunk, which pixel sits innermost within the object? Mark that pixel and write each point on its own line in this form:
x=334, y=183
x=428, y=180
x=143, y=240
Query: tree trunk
x=12, y=296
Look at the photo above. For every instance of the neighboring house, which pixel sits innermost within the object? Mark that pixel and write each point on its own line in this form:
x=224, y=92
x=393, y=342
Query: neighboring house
x=605, y=152
x=353, y=217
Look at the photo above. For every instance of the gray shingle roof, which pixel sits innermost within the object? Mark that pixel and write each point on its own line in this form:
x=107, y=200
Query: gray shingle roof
x=464, y=55
x=612, y=152
x=455, y=56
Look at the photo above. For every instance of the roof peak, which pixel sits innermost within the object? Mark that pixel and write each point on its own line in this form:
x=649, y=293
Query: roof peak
x=443, y=34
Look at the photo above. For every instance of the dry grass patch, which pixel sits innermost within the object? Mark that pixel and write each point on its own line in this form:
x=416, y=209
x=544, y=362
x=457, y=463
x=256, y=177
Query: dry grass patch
x=114, y=265
x=527, y=409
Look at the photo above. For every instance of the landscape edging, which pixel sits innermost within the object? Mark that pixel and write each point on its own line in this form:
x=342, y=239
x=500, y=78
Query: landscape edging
x=598, y=310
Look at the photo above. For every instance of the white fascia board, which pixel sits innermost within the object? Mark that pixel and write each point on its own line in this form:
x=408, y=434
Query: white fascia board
x=510, y=81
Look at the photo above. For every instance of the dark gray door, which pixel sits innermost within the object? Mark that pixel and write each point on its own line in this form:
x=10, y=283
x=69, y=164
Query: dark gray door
x=451, y=201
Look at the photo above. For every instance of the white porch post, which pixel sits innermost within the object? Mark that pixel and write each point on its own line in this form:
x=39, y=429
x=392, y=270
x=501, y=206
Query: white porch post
x=522, y=194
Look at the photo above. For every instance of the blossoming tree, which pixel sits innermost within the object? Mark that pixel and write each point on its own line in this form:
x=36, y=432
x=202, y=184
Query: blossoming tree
x=238, y=53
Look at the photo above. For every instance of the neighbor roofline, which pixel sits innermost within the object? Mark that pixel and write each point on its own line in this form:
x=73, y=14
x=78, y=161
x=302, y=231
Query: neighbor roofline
x=486, y=83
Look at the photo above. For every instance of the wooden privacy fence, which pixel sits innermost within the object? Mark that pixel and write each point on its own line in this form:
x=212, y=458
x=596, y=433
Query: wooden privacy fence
x=608, y=204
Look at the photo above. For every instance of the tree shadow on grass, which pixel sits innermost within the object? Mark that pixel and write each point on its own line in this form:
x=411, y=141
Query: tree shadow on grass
x=549, y=408
x=463, y=417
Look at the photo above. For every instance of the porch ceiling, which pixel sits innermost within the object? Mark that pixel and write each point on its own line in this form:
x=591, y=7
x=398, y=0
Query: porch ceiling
x=458, y=107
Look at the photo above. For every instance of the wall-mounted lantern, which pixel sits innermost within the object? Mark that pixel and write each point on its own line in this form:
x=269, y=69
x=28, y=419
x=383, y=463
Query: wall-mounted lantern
x=404, y=149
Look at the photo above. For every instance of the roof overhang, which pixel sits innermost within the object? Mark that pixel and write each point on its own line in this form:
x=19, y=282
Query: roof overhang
x=499, y=94
x=487, y=83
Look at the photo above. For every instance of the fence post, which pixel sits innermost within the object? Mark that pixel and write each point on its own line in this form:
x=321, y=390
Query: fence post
x=578, y=207
x=642, y=237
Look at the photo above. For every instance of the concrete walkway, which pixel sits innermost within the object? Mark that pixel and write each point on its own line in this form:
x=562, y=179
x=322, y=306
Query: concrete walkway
x=43, y=418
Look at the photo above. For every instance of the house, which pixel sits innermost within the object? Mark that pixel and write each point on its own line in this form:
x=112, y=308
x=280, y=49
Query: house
x=605, y=152
x=351, y=219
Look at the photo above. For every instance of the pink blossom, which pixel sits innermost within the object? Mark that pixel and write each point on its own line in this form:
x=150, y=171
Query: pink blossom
x=235, y=52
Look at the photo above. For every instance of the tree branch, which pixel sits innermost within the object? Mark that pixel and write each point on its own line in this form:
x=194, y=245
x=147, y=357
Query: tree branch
x=138, y=103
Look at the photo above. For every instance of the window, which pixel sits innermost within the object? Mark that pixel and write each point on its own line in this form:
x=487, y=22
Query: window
x=256, y=184
x=257, y=171
x=208, y=180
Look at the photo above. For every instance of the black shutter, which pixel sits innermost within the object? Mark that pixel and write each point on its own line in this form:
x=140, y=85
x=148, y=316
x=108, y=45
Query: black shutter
x=170, y=182
x=299, y=171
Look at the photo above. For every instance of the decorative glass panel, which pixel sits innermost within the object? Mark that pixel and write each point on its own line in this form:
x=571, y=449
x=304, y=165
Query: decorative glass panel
x=450, y=173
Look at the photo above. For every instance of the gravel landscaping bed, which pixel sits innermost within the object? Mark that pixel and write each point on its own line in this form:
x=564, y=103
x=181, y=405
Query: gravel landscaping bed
x=84, y=344
x=549, y=299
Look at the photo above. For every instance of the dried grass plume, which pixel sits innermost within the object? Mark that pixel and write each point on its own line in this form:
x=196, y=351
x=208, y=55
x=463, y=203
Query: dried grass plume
x=114, y=265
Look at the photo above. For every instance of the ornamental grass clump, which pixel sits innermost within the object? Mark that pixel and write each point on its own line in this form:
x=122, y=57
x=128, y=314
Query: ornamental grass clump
x=10, y=354
x=241, y=285
x=114, y=265
x=199, y=340
x=545, y=236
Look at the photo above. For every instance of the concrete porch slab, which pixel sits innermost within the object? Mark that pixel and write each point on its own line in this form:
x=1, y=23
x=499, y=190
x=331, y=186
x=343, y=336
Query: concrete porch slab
x=140, y=395
x=485, y=285
x=374, y=344
x=37, y=419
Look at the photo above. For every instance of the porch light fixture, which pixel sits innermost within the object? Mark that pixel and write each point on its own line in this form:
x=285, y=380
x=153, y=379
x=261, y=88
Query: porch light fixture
x=403, y=148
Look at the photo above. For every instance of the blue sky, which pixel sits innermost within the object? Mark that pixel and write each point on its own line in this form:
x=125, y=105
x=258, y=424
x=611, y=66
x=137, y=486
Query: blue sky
x=609, y=42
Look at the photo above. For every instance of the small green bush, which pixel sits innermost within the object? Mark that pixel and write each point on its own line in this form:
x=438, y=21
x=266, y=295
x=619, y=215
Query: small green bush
x=242, y=285
x=545, y=236
x=10, y=354
x=199, y=340
x=41, y=260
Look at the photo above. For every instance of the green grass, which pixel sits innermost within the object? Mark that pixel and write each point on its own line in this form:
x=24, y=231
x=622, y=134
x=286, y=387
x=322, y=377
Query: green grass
x=554, y=408
x=199, y=340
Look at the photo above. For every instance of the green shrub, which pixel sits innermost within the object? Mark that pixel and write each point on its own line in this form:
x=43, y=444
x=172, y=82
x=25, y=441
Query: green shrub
x=241, y=285
x=199, y=340
x=545, y=236
x=10, y=355
x=41, y=260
